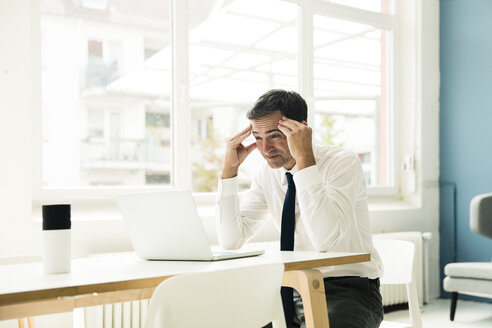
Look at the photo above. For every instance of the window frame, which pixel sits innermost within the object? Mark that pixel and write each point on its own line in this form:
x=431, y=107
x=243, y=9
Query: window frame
x=180, y=119
x=381, y=20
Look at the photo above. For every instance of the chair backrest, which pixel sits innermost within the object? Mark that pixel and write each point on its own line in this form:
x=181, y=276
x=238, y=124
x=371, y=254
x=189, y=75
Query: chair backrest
x=481, y=214
x=397, y=257
x=241, y=297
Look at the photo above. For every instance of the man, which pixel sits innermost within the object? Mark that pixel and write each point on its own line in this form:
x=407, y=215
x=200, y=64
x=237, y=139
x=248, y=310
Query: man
x=323, y=189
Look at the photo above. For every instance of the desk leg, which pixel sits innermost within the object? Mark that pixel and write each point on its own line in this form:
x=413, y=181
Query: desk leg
x=30, y=322
x=309, y=284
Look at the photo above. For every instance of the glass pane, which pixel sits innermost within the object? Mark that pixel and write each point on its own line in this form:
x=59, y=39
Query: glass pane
x=105, y=108
x=351, y=90
x=382, y=6
x=239, y=51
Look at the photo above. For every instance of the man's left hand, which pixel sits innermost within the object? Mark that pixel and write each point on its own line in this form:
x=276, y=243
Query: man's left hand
x=299, y=139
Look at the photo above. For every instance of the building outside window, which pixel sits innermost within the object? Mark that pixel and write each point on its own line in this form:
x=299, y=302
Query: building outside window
x=107, y=85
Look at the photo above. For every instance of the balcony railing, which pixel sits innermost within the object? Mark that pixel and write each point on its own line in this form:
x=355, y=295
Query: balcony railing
x=118, y=153
x=99, y=74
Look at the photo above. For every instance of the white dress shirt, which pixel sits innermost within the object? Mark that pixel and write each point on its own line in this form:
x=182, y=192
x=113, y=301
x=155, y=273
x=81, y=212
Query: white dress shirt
x=331, y=209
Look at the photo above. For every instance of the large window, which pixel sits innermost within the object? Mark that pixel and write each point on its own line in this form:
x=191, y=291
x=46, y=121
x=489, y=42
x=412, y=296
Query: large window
x=352, y=91
x=244, y=49
x=117, y=90
x=96, y=131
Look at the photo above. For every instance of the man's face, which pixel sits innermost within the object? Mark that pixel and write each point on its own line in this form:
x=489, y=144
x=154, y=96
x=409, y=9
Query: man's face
x=271, y=142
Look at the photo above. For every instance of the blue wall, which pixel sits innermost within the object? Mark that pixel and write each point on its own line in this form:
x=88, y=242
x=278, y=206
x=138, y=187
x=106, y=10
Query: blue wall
x=465, y=124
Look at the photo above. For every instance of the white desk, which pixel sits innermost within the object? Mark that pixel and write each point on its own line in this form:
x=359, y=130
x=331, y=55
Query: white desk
x=26, y=291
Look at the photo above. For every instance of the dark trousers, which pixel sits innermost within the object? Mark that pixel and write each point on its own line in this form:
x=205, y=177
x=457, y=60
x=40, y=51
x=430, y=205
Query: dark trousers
x=353, y=302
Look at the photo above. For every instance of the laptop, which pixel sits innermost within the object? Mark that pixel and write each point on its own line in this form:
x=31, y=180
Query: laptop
x=164, y=225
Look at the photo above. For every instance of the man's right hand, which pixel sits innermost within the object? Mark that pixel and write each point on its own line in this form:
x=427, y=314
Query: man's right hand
x=236, y=153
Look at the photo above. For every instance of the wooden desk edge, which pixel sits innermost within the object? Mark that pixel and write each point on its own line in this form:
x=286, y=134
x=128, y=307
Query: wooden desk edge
x=348, y=259
x=77, y=291
x=115, y=292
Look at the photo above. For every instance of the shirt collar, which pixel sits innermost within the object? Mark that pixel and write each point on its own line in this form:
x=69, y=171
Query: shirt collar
x=283, y=179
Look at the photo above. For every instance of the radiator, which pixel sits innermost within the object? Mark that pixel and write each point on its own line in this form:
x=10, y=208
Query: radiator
x=397, y=294
x=118, y=315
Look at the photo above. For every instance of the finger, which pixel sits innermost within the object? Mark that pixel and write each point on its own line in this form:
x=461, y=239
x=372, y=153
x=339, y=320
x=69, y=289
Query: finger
x=242, y=137
x=248, y=129
x=283, y=124
x=292, y=124
x=251, y=147
x=238, y=139
x=285, y=130
x=287, y=127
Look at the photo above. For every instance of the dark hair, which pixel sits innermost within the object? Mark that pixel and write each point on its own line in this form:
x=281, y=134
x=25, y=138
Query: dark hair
x=290, y=103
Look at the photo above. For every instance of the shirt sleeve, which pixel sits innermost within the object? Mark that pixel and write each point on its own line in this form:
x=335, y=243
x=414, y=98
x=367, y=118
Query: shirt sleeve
x=327, y=196
x=237, y=223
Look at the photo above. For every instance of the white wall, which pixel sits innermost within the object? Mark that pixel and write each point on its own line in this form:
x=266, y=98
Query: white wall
x=17, y=100
x=20, y=98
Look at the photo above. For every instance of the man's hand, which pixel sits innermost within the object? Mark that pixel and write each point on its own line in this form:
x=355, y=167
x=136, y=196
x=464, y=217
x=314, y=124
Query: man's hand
x=236, y=153
x=299, y=139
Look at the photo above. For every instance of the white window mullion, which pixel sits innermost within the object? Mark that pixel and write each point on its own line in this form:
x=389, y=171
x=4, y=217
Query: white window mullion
x=306, y=57
x=180, y=96
x=37, y=104
x=351, y=13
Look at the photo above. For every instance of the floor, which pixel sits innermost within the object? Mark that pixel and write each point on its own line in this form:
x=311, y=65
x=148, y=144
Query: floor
x=436, y=315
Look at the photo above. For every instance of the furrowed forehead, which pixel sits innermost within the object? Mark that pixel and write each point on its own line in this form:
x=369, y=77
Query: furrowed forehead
x=266, y=124
x=267, y=132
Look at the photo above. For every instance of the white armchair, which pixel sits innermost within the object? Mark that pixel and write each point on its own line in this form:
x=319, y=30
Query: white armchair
x=472, y=278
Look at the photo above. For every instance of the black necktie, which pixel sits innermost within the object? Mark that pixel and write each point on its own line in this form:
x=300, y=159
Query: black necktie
x=287, y=242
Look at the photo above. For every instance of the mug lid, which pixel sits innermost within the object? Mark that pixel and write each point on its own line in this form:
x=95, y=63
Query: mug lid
x=56, y=217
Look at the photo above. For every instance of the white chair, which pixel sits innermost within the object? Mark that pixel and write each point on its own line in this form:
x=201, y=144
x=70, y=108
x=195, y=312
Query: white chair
x=241, y=298
x=397, y=257
x=472, y=278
